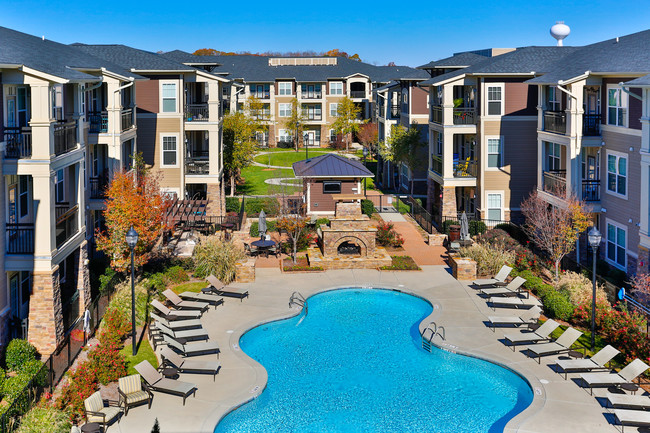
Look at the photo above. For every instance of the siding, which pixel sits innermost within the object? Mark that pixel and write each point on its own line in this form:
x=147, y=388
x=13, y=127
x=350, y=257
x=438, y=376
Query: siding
x=147, y=95
x=634, y=105
x=2, y=104
x=149, y=130
x=419, y=100
x=520, y=99
x=326, y=202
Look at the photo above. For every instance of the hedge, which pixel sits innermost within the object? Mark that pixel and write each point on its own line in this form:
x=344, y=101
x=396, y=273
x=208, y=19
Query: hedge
x=254, y=230
x=232, y=204
x=367, y=207
x=254, y=206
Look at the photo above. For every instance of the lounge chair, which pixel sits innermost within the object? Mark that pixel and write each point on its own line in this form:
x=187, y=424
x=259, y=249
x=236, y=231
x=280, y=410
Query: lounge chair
x=156, y=382
x=192, y=349
x=637, y=418
x=189, y=365
x=541, y=334
x=596, y=362
x=627, y=401
x=528, y=317
x=95, y=410
x=220, y=289
x=188, y=334
x=170, y=314
x=627, y=375
x=513, y=288
x=202, y=297
x=499, y=301
x=184, y=305
x=132, y=392
x=561, y=345
x=176, y=325
x=498, y=280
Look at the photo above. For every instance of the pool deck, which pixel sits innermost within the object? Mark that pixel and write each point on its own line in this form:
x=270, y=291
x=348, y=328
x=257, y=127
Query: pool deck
x=559, y=405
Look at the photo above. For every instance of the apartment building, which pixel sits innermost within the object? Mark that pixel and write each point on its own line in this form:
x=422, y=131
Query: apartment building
x=179, y=114
x=49, y=129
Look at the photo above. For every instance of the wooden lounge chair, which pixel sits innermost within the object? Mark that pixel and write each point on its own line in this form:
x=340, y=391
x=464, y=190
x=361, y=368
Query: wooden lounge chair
x=189, y=365
x=513, y=288
x=188, y=334
x=636, y=418
x=176, y=325
x=132, y=392
x=96, y=411
x=170, y=314
x=498, y=280
x=202, y=297
x=499, y=301
x=596, y=362
x=627, y=401
x=220, y=289
x=561, y=345
x=528, y=317
x=541, y=334
x=191, y=349
x=158, y=383
x=627, y=375
x=184, y=305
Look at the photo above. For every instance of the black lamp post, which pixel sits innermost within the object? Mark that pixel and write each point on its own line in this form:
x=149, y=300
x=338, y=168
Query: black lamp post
x=131, y=241
x=365, y=179
x=594, y=241
x=305, y=139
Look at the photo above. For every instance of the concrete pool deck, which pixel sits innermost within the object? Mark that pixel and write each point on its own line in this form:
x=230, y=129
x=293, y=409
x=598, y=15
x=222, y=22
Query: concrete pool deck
x=559, y=405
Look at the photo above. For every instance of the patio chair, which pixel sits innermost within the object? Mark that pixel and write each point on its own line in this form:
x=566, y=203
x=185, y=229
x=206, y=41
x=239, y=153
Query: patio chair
x=513, y=288
x=175, y=314
x=528, y=317
x=202, y=297
x=177, y=325
x=191, y=349
x=189, y=365
x=132, y=392
x=596, y=362
x=187, y=335
x=182, y=305
x=500, y=301
x=636, y=418
x=627, y=401
x=561, y=345
x=158, y=383
x=220, y=289
x=275, y=250
x=96, y=411
x=627, y=375
x=498, y=280
x=541, y=334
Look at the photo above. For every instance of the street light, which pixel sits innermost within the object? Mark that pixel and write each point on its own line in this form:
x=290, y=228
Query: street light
x=305, y=140
x=594, y=237
x=131, y=241
x=365, y=179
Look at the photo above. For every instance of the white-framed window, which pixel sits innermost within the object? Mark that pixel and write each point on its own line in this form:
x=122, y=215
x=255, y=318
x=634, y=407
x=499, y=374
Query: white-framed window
x=616, y=106
x=336, y=87
x=439, y=143
x=23, y=198
x=332, y=187
x=494, y=208
x=60, y=186
x=57, y=101
x=334, y=109
x=553, y=156
x=82, y=99
x=311, y=91
x=169, y=97
x=553, y=100
x=284, y=110
x=494, y=100
x=284, y=135
x=494, y=152
x=285, y=88
x=617, y=173
x=616, y=244
x=332, y=135
x=169, y=149
x=260, y=91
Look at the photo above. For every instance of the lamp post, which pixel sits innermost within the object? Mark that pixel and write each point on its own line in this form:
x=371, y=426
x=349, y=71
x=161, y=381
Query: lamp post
x=305, y=139
x=594, y=237
x=365, y=179
x=131, y=241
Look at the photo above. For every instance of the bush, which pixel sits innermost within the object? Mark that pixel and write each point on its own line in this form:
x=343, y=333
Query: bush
x=579, y=289
x=107, y=281
x=514, y=231
x=19, y=352
x=557, y=305
x=218, y=257
x=476, y=227
x=447, y=223
x=155, y=282
x=45, y=419
x=109, y=364
x=12, y=390
x=176, y=275
x=524, y=258
x=34, y=369
x=254, y=206
x=121, y=301
x=233, y=204
x=303, y=242
x=320, y=221
x=254, y=230
x=489, y=258
x=387, y=236
x=367, y=207
x=115, y=325
x=82, y=383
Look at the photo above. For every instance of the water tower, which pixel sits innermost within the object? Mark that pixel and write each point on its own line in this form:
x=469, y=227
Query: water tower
x=560, y=31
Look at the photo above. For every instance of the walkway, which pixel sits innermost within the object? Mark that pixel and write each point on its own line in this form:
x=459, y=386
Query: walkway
x=414, y=244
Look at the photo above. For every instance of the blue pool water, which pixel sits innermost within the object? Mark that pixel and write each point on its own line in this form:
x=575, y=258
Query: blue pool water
x=355, y=364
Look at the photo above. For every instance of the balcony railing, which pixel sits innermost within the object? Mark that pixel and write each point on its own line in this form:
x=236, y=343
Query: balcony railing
x=395, y=111
x=127, y=119
x=98, y=122
x=436, y=164
x=436, y=114
x=97, y=188
x=197, y=113
x=65, y=137
x=591, y=190
x=19, y=143
x=196, y=166
x=555, y=181
x=310, y=115
x=555, y=121
x=591, y=125
x=464, y=116
x=261, y=95
x=465, y=168
x=354, y=94
x=20, y=238
x=311, y=95
x=66, y=222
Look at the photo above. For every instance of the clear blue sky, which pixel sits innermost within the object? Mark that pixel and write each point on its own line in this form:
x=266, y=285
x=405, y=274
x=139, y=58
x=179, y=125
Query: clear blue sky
x=380, y=32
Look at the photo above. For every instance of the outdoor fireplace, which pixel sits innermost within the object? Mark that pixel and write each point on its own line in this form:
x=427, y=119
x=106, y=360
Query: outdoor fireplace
x=349, y=248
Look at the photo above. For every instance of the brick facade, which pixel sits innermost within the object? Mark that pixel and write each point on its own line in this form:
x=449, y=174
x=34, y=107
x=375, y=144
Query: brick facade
x=46, y=312
x=215, y=206
x=83, y=277
x=449, y=205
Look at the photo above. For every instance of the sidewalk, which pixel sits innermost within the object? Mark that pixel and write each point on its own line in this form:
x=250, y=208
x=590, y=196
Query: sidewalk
x=414, y=245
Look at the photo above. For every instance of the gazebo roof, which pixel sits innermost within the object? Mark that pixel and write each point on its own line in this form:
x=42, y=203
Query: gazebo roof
x=330, y=165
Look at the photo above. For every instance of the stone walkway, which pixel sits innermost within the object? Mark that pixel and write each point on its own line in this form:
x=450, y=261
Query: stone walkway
x=414, y=244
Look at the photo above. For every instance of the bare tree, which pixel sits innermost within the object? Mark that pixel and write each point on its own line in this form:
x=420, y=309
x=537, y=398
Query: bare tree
x=292, y=219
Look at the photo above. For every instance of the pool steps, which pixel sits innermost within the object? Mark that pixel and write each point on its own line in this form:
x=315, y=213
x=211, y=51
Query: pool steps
x=434, y=330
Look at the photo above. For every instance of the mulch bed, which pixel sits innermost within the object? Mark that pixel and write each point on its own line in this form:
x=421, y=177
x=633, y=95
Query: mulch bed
x=401, y=263
x=302, y=265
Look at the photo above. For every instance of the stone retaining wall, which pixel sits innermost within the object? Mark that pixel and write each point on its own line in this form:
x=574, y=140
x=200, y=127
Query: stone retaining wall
x=462, y=268
x=245, y=271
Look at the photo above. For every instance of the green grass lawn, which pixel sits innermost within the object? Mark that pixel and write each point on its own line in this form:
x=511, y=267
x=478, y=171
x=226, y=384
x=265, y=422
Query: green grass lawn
x=195, y=287
x=145, y=352
x=254, y=178
x=285, y=159
x=301, y=149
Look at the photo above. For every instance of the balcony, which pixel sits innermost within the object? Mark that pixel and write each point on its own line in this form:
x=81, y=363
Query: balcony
x=20, y=238
x=97, y=188
x=197, y=166
x=262, y=95
x=555, y=121
x=357, y=94
x=98, y=122
x=467, y=168
x=591, y=190
x=436, y=114
x=555, y=182
x=65, y=137
x=311, y=95
x=395, y=111
x=197, y=112
x=591, y=125
x=312, y=115
x=19, y=143
x=127, y=119
x=464, y=116
x=66, y=222
x=436, y=164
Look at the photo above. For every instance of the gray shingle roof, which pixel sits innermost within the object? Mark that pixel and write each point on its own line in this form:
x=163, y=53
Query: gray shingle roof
x=330, y=165
x=132, y=58
x=461, y=60
x=641, y=81
x=190, y=59
x=51, y=57
x=630, y=54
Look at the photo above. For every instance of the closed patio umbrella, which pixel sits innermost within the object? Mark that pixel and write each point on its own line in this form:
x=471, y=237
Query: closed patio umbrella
x=464, y=227
x=262, y=224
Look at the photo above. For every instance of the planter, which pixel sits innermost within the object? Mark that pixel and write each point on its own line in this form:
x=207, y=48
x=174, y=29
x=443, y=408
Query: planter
x=462, y=268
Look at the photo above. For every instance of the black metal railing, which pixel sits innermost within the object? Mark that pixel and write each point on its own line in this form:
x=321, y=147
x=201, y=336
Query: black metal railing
x=421, y=216
x=436, y=114
x=127, y=119
x=197, y=112
x=395, y=111
x=311, y=95
x=66, y=223
x=97, y=187
x=20, y=238
x=98, y=122
x=357, y=94
x=19, y=143
x=464, y=116
x=591, y=190
x=466, y=168
x=475, y=221
x=554, y=181
x=196, y=166
x=65, y=137
x=261, y=95
x=591, y=124
x=555, y=121
x=436, y=164
x=311, y=115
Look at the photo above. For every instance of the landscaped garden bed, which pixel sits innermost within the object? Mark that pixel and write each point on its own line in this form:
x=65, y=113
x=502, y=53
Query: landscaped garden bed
x=301, y=265
x=401, y=263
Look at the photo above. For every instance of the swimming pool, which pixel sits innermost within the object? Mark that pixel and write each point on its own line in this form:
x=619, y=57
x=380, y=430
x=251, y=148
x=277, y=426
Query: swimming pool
x=355, y=363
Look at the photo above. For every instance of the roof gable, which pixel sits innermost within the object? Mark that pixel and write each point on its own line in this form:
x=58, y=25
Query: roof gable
x=330, y=165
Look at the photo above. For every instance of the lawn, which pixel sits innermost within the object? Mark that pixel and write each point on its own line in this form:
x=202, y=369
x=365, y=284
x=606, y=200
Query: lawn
x=285, y=159
x=291, y=149
x=145, y=352
x=255, y=176
x=194, y=287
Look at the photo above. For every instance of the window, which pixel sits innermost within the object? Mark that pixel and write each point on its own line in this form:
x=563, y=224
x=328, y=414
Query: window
x=405, y=96
x=331, y=187
x=284, y=135
x=285, y=88
x=285, y=110
x=312, y=112
x=24, y=196
x=25, y=286
x=260, y=91
x=334, y=109
x=494, y=152
x=616, y=244
x=553, y=152
x=60, y=186
x=553, y=101
x=494, y=100
x=82, y=99
x=336, y=88
x=439, y=143
x=332, y=136
x=169, y=151
x=57, y=101
x=617, y=174
x=616, y=106
x=494, y=207
x=311, y=91
x=169, y=98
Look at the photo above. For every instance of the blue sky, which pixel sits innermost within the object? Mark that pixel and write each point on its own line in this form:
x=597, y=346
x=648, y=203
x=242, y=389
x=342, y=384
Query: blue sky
x=380, y=32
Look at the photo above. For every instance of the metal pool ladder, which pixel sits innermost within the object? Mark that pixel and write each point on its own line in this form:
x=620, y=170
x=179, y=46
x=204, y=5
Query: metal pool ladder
x=299, y=300
x=433, y=330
